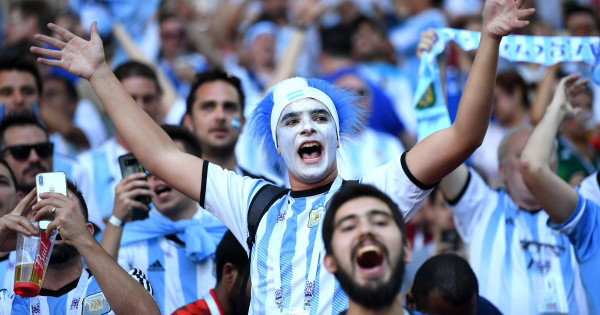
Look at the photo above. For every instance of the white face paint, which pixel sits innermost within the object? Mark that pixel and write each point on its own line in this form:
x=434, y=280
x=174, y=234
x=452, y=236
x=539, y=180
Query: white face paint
x=307, y=140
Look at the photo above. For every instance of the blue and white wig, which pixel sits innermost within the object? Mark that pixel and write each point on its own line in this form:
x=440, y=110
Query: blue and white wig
x=342, y=106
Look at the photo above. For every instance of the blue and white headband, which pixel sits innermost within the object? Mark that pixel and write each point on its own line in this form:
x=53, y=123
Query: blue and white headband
x=295, y=89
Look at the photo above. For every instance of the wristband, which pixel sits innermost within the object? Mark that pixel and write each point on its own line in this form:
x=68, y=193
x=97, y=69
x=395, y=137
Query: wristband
x=116, y=221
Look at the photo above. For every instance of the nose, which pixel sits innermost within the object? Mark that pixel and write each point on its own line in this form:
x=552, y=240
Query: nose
x=33, y=156
x=307, y=127
x=18, y=99
x=219, y=113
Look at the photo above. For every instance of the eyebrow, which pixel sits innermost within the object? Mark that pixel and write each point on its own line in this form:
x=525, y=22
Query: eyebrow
x=290, y=115
x=6, y=178
x=319, y=111
x=371, y=213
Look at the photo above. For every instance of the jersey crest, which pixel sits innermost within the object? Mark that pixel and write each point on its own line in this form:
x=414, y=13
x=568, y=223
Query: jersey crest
x=314, y=217
x=95, y=304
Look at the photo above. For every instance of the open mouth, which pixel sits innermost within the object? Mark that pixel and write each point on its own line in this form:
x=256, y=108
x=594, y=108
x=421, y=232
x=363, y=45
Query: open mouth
x=310, y=151
x=369, y=256
x=162, y=191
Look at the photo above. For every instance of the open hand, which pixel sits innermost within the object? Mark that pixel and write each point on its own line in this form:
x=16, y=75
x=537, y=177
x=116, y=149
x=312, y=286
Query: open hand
x=501, y=17
x=68, y=217
x=567, y=87
x=78, y=56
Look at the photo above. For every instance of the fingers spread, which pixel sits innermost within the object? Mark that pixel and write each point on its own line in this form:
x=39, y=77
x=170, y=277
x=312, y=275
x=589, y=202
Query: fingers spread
x=50, y=41
x=61, y=31
x=49, y=53
x=50, y=62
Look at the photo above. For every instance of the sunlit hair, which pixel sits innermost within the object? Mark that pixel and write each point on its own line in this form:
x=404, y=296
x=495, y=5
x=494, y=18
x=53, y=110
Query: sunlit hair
x=345, y=103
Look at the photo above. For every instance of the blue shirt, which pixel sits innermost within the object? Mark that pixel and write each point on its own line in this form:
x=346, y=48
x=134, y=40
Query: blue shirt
x=583, y=230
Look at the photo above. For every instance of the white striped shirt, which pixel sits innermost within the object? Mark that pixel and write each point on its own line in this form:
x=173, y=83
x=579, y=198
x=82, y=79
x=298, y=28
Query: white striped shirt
x=82, y=293
x=228, y=197
x=176, y=279
x=496, y=231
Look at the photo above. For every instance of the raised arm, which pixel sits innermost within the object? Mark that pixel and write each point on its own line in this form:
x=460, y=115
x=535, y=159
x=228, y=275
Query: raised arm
x=150, y=144
x=442, y=152
x=555, y=196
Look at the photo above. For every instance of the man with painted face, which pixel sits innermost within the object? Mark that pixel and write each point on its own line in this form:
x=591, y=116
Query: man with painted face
x=304, y=121
x=364, y=238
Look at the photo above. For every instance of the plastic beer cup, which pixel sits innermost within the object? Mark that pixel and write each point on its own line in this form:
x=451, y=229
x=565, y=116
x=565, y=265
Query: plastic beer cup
x=33, y=254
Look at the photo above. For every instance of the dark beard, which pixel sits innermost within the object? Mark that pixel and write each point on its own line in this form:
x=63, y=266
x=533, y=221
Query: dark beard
x=373, y=298
x=62, y=253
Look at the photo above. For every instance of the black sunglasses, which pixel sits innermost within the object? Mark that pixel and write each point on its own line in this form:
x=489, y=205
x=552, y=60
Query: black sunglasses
x=22, y=152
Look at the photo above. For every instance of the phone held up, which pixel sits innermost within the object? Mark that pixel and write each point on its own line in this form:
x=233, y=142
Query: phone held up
x=53, y=182
x=129, y=165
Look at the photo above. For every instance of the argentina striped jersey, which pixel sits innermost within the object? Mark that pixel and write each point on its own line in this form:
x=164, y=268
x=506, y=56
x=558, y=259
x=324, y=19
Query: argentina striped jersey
x=583, y=230
x=176, y=279
x=506, y=247
x=228, y=197
x=82, y=294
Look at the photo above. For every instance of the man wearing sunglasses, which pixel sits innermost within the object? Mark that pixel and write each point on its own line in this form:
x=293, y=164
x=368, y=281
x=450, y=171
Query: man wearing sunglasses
x=25, y=146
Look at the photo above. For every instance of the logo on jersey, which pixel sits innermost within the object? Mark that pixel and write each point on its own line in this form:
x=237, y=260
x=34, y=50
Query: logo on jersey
x=156, y=266
x=36, y=308
x=95, y=304
x=428, y=99
x=74, y=304
x=314, y=217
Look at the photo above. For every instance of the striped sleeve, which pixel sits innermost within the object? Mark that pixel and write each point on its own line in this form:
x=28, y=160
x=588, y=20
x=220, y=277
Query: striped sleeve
x=140, y=277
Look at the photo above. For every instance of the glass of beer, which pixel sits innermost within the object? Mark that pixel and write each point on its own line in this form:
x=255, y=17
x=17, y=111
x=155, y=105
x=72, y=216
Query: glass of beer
x=33, y=255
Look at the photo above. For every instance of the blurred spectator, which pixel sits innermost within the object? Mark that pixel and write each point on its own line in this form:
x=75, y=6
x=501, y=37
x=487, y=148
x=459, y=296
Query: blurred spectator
x=508, y=244
x=26, y=18
x=20, y=86
x=175, y=245
x=231, y=262
x=98, y=172
x=511, y=109
x=446, y=285
x=24, y=144
x=9, y=197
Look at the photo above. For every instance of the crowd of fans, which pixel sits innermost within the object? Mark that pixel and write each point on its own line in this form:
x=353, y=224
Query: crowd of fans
x=462, y=222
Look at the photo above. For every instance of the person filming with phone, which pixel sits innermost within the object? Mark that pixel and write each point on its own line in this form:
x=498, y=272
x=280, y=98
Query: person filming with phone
x=67, y=286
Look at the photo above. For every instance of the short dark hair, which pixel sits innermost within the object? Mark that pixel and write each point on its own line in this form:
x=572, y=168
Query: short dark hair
x=12, y=174
x=75, y=190
x=352, y=191
x=511, y=80
x=336, y=41
x=571, y=8
x=189, y=140
x=10, y=62
x=137, y=69
x=19, y=120
x=447, y=275
x=211, y=76
x=230, y=251
x=69, y=87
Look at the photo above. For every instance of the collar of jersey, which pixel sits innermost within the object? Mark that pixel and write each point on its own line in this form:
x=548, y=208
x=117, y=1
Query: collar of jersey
x=311, y=192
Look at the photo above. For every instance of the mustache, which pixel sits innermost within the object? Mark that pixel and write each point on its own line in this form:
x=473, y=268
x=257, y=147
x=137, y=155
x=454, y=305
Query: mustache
x=33, y=167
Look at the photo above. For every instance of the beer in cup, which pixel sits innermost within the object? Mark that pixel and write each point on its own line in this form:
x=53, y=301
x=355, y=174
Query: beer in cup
x=33, y=255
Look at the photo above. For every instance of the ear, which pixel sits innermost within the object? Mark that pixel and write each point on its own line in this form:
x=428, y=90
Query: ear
x=330, y=263
x=410, y=301
x=188, y=123
x=407, y=252
x=229, y=273
x=501, y=172
x=90, y=228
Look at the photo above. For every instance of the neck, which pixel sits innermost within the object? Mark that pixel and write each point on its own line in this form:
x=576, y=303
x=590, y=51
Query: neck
x=122, y=142
x=226, y=161
x=223, y=297
x=59, y=275
x=186, y=213
x=297, y=185
x=331, y=64
x=357, y=309
x=518, y=118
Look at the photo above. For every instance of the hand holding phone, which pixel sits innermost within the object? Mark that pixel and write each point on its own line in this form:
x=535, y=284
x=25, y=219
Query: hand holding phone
x=53, y=182
x=130, y=165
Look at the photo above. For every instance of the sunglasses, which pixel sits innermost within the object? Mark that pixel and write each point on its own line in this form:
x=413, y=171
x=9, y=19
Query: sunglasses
x=22, y=152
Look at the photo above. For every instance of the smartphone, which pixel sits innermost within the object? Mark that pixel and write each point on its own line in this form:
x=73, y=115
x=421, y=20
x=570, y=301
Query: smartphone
x=53, y=182
x=130, y=165
x=450, y=236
